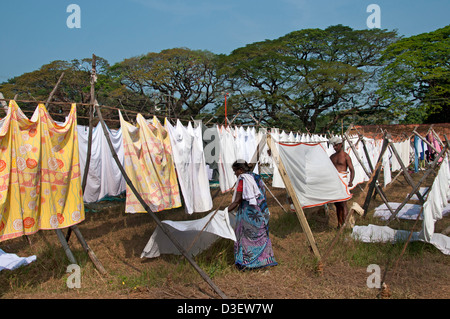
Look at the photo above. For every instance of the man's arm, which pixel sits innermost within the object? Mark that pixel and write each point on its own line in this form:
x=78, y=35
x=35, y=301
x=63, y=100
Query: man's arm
x=352, y=170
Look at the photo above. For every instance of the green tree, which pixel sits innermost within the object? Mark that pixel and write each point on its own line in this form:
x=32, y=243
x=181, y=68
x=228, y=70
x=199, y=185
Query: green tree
x=309, y=73
x=416, y=80
x=181, y=81
x=74, y=87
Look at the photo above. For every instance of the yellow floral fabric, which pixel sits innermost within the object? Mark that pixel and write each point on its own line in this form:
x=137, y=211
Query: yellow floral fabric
x=40, y=186
x=149, y=165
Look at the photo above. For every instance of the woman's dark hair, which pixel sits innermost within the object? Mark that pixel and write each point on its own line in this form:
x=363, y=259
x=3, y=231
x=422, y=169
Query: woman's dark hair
x=242, y=164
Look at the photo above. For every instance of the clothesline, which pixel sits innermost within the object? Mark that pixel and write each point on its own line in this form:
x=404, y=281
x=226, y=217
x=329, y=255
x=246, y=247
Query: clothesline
x=62, y=103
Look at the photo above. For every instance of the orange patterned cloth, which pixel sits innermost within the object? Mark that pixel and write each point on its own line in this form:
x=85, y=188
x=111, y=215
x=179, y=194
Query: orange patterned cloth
x=149, y=165
x=40, y=183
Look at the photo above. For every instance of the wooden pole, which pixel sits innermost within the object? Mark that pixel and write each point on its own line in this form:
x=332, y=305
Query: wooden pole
x=91, y=116
x=371, y=176
x=89, y=251
x=426, y=141
x=53, y=91
x=66, y=247
x=376, y=173
x=417, y=186
x=298, y=207
x=405, y=171
x=152, y=214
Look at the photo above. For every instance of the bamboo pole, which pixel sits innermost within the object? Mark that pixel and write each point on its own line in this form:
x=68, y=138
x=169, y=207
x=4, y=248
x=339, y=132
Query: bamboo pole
x=91, y=116
x=50, y=97
x=89, y=251
x=152, y=214
x=417, y=186
x=405, y=171
x=65, y=245
x=376, y=173
x=371, y=176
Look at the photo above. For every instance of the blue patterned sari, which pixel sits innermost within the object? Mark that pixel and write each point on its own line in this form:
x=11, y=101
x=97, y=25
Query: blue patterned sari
x=253, y=248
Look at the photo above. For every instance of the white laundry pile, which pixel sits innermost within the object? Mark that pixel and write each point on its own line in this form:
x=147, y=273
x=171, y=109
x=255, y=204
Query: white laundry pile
x=186, y=232
x=12, y=261
x=312, y=174
x=385, y=234
x=187, y=148
x=104, y=178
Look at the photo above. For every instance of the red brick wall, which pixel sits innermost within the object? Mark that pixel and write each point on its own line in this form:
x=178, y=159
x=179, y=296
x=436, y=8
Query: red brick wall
x=401, y=131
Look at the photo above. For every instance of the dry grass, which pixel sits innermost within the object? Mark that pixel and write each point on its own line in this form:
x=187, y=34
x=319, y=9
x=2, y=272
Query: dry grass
x=118, y=240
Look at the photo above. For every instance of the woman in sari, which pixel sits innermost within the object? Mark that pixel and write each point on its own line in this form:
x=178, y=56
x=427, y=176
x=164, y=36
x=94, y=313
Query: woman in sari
x=253, y=248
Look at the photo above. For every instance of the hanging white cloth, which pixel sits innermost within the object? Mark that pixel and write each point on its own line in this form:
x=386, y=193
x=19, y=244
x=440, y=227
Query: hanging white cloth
x=312, y=174
x=104, y=178
x=386, y=168
x=226, y=159
x=277, y=181
x=187, y=148
x=200, y=181
x=437, y=200
x=403, y=150
x=360, y=175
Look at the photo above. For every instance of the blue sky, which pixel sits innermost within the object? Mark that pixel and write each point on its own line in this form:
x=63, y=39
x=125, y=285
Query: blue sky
x=34, y=33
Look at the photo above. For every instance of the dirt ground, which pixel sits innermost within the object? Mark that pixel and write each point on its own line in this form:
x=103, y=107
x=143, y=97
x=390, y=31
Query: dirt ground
x=117, y=239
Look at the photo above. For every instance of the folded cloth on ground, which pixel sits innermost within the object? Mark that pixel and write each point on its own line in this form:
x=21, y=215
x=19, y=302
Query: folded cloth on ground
x=12, y=261
x=186, y=232
x=385, y=234
x=409, y=211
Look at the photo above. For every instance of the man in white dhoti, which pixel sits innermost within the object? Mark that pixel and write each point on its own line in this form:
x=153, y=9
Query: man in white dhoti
x=343, y=164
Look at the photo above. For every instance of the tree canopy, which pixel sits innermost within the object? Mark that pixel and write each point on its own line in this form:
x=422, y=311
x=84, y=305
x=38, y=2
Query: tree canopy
x=308, y=73
x=416, y=79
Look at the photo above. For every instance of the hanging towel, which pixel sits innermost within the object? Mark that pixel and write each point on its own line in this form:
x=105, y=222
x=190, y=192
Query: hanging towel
x=40, y=181
x=250, y=191
x=149, y=165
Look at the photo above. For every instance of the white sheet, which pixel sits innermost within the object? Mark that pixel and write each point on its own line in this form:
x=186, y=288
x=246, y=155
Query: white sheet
x=385, y=234
x=437, y=200
x=185, y=232
x=105, y=177
x=12, y=261
x=312, y=174
x=409, y=211
x=187, y=149
x=228, y=155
